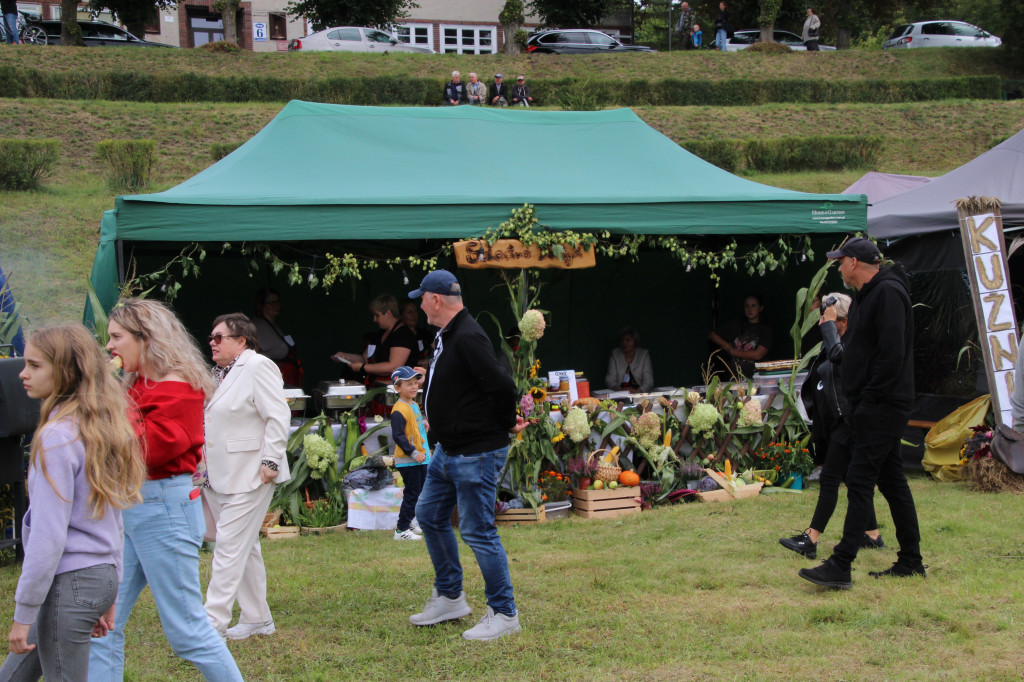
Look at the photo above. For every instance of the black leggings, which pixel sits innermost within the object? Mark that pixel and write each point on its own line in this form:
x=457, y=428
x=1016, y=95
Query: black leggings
x=833, y=472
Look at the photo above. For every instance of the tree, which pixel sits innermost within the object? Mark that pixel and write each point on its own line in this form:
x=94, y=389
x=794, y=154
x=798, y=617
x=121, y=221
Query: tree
x=133, y=14
x=323, y=13
x=573, y=13
x=70, y=31
x=511, y=19
x=769, y=11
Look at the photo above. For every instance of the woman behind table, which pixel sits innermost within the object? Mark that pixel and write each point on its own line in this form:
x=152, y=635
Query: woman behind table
x=84, y=468
x=409, y=313
x=169, y=382
x=246, y=434
x=396, y=344
x=629, y=367
x=274, y=343
x=823, y=397
x=746, y=340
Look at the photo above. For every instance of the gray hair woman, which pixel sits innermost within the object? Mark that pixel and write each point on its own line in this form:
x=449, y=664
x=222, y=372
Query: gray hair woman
x=629, y=366
x=246, y=435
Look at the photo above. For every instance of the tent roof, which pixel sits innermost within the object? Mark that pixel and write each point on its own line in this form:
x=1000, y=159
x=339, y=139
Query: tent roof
x=878, y=186
x=325, y=171
x=999, y=172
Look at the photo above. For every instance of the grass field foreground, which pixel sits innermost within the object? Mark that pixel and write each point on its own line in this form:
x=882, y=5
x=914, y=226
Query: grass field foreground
x=690, y=592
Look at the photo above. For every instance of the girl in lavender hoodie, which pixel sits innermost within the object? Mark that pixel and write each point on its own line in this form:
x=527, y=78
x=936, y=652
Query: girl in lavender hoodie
x=85, y=466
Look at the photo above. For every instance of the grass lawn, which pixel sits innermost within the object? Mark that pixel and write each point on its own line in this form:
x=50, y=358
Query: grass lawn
x=693, y=591
x=706, y=64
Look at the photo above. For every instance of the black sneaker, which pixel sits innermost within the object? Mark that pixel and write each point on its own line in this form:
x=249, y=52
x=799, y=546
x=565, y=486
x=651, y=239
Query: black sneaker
x=801, y=544
x=898, y=570
x=827, y=575
x=869, y=543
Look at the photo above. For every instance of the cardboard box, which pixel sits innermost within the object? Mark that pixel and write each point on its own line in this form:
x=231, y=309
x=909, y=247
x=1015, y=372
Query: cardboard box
x=606, y=504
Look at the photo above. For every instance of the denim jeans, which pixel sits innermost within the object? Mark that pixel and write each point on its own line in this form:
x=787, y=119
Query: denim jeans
x=162, y=536
x=11, y=24
x=471, y=481
x=721, y=38
x=62, y=631
x=875, y=458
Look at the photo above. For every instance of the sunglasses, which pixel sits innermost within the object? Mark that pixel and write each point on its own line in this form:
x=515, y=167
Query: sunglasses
x=217, y=338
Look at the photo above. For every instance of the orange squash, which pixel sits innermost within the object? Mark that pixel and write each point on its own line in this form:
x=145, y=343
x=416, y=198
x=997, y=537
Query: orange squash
x=629, y=478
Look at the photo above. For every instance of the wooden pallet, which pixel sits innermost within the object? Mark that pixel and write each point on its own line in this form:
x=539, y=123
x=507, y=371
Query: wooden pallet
x=527, y=515
x=606, y=504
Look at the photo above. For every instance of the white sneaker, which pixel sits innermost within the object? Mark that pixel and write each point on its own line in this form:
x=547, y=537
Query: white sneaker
x=439, y=609
x=246, y=630
x=492, y=626
x=414, y=526
x=407, y=535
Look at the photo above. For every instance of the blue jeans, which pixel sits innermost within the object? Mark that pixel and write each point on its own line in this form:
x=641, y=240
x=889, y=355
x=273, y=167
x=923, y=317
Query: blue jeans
x=471, y=481
x=11, y=24
x=62, y=631
x=162, y=537
x=721, y=39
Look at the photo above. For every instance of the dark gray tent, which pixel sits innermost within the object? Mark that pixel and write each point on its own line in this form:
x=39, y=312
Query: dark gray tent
x=998, y=172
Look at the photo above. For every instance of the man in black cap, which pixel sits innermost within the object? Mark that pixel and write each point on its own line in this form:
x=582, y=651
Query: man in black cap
x=878, y=380
x=470, y=403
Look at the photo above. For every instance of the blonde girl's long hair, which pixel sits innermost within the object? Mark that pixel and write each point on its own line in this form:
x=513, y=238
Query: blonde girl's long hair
x=86, y=391
x=166, y=345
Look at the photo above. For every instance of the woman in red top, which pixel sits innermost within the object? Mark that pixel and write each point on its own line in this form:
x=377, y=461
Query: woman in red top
x=169, y=383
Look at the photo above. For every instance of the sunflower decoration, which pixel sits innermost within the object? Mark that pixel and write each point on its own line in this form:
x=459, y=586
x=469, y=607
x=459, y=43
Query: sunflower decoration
x=539, y=394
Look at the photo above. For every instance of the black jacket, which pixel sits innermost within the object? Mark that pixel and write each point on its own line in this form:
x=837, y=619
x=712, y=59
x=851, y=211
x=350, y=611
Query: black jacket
x=455, y=91
x=822, y=393
x=722, y=22
x=497, y=90
x=470, y=401
x=878, y=361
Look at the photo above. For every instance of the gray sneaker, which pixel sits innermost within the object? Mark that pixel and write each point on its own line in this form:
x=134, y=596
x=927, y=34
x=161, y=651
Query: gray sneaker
x=492, y=626
x=439, y=609
x=247, y=630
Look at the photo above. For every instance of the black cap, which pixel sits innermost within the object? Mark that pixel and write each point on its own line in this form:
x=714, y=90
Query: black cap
x=860, y=248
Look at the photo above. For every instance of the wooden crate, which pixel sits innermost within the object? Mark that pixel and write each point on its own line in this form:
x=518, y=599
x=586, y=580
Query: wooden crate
x=527, y=515
x=606, y=504
x=727, y=492
x=281, y=532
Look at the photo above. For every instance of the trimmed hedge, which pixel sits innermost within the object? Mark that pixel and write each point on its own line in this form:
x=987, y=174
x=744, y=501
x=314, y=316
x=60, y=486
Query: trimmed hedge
x=23, y=163
x=784, y=154
x=218, y=150
x=128, y=162
x=388, y=89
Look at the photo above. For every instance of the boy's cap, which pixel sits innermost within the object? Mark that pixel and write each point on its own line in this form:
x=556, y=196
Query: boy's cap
x=498, y=75
x=860, y=248
x=405, y=372
x=438, y=282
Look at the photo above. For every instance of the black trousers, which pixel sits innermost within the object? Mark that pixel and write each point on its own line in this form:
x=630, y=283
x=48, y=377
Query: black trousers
x=413, y=477
x=875, y=460
x=833, y=472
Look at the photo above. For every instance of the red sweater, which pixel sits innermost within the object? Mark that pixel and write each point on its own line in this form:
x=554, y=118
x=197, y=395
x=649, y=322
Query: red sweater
x=170, y=426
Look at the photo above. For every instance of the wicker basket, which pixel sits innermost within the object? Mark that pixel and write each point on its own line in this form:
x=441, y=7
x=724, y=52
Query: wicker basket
x=607, y=474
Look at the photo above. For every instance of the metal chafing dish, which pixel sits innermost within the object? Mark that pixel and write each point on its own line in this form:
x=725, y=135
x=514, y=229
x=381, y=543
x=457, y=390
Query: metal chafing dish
x=296, y=399
x=339, y=395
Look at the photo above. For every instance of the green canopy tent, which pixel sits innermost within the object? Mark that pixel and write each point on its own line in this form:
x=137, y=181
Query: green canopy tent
x=334, y=172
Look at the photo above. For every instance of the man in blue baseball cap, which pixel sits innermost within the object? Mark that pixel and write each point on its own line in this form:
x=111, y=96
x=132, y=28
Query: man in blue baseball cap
x=470, y=404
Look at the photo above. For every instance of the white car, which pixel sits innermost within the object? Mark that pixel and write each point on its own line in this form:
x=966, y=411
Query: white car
x=940, y=34
x=741, y=40
x=354, y=39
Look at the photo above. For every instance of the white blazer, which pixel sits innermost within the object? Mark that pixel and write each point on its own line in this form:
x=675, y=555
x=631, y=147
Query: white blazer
x=246, y=423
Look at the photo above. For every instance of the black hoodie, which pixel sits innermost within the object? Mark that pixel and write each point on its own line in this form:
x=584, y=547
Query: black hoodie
x=878, y=360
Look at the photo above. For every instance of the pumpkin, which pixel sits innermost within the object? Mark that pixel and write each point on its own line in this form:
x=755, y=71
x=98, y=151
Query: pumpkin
x=629, y=478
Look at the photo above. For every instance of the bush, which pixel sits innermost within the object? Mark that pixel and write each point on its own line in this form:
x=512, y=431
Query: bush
x=218, y=150
x=725, y=154
x=833, y=152
x=769, y=48
x=578, y=94
x=128, y=162
x=23, y=163
x=221, y=46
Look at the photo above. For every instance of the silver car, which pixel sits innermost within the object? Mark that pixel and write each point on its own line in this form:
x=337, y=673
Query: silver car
x=353, y=39
x=940, y=34
x=741, y=40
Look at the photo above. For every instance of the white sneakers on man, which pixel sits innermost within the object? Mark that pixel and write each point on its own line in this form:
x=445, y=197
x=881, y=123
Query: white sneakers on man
x=407, y=535
x=492, y=626
x=246, y=630
x=439, y=609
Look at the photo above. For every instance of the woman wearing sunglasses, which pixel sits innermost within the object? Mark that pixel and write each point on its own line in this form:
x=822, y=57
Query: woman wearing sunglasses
x=169, y=382
x=246, y=434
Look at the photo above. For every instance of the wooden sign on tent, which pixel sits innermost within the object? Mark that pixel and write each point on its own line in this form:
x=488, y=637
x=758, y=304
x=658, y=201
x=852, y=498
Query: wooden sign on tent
x=513, y=254
x=981, y=228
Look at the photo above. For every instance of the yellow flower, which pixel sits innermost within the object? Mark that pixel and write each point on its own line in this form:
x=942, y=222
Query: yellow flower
x=558, y=437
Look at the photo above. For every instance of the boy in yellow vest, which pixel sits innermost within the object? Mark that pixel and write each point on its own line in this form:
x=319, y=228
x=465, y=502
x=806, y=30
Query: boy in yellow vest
x=412, y=452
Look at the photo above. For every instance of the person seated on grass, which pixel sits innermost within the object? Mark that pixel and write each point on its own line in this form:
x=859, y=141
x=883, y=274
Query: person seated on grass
x=521, y=93
x=455, y=91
